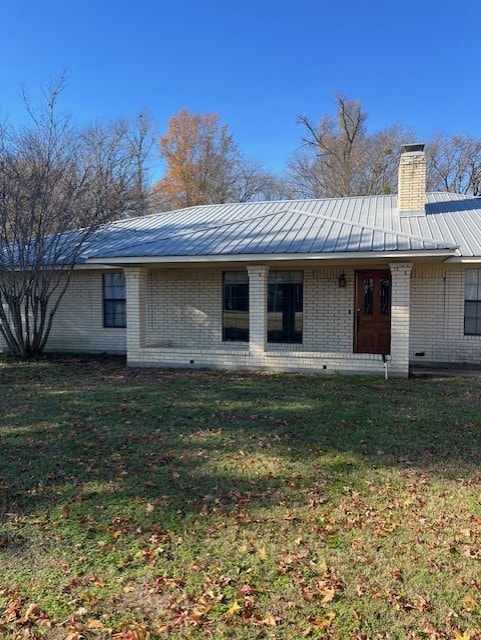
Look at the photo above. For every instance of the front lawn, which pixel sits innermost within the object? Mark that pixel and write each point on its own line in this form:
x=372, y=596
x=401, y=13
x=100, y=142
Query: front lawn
x=144, y=504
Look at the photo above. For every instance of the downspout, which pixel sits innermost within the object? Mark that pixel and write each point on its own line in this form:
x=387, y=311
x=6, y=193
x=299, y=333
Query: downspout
x=385, y=366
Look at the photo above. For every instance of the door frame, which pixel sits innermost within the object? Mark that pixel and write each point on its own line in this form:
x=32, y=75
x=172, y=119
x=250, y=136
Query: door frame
x=358, y=273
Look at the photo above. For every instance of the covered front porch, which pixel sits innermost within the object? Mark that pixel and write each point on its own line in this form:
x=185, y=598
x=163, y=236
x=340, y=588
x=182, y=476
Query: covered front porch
x=176, y=318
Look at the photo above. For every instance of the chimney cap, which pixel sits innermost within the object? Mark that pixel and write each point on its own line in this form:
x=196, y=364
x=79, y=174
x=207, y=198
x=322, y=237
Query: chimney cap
x=417, y=147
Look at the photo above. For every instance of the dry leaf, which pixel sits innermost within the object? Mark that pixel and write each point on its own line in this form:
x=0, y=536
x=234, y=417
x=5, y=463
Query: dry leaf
x=328, y=595
x=95, y=624
x=269, y=620
x=233, y=609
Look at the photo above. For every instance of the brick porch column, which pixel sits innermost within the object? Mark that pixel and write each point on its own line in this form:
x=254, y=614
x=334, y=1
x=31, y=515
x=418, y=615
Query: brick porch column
x=136, y=286
x=258, y=276
x=400, y=317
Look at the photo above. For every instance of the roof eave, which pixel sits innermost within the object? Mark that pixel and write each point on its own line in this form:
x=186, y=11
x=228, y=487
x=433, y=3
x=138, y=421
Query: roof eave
x=456, y=259
x=443, y=254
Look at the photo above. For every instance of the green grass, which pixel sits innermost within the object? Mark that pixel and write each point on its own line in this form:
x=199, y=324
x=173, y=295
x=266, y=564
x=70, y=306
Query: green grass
x=139, y=504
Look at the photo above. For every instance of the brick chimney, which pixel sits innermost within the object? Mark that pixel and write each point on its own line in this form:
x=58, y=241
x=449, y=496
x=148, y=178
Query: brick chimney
x=412, y=179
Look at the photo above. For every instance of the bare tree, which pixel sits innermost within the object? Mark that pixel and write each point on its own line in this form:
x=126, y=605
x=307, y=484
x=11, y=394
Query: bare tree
x=254, y=182
x=381, y=151
x=331, y=154
x=454, y=164
x=339, y=158
x=58, y=185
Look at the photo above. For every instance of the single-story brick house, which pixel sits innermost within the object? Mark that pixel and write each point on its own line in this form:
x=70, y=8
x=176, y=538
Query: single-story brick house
x=344, y=284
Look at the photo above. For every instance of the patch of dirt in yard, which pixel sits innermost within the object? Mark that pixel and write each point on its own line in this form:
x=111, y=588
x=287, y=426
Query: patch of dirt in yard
x=24, y=551
x=142, y=602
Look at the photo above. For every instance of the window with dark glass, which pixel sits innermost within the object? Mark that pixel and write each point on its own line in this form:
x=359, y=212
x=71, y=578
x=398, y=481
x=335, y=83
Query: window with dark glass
x=472, y=302
x=115, y=313
x=377, y=299
x=235, y=320
x=285, y=306
x=368, y=295
x=385, y=293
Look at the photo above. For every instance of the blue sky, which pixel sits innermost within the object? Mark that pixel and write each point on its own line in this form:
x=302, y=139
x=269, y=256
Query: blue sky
x=257, y=63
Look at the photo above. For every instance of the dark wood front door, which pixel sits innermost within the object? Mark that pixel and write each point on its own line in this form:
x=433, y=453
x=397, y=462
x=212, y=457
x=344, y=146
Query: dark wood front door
x=372, y=332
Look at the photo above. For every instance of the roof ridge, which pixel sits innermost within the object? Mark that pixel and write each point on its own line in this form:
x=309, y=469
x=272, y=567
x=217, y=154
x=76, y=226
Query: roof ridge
x=120, y=221
x=402, y=234
x=191, y=230
x=247, y=203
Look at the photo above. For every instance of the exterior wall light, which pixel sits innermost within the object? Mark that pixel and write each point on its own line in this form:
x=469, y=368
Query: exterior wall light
x=342, y=281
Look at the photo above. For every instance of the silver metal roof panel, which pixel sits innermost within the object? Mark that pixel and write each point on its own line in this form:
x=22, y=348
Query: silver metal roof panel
x=358, y=224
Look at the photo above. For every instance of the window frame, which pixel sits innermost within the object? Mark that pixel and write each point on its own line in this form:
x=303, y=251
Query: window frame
x=109, y=316
x=291, y=280
x=472, y=298
x=241, y=279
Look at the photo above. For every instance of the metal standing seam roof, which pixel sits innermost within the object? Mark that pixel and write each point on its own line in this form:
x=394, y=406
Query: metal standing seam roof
x=337, y=225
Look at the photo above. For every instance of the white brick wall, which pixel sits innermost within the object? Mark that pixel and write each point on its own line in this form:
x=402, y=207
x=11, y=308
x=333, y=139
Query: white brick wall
x=183, y=322
x=400, y=317
x=258, y=280
x=184, y=307
x=136, y=293
x=78, y=323
x=437, y=317
x=328, y=310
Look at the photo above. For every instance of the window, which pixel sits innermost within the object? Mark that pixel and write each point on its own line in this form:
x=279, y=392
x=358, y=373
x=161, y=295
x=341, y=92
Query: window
x=114, y=300
x=235, y=321
x=472, y=302
x=284, y=306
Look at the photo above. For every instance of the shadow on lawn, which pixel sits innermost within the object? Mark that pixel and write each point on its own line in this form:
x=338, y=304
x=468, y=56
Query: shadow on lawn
x=91, y=434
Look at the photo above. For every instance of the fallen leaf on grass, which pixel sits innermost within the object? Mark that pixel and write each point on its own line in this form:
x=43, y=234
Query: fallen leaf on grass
x=328, y=595
x=31, y=614
x=270, y=620
x=98, y=581
x=421, y=604
x=246, y=590
x=12, y=609
x=233, y=609
x=134, y=631
x=323, y=622
x=200, y=611
x=470, y=603
x=97, y=625
x=397, y=573
x=262, y=553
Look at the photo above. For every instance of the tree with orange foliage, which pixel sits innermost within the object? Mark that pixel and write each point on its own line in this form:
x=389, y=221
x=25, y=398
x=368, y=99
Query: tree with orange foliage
x=205, y=166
